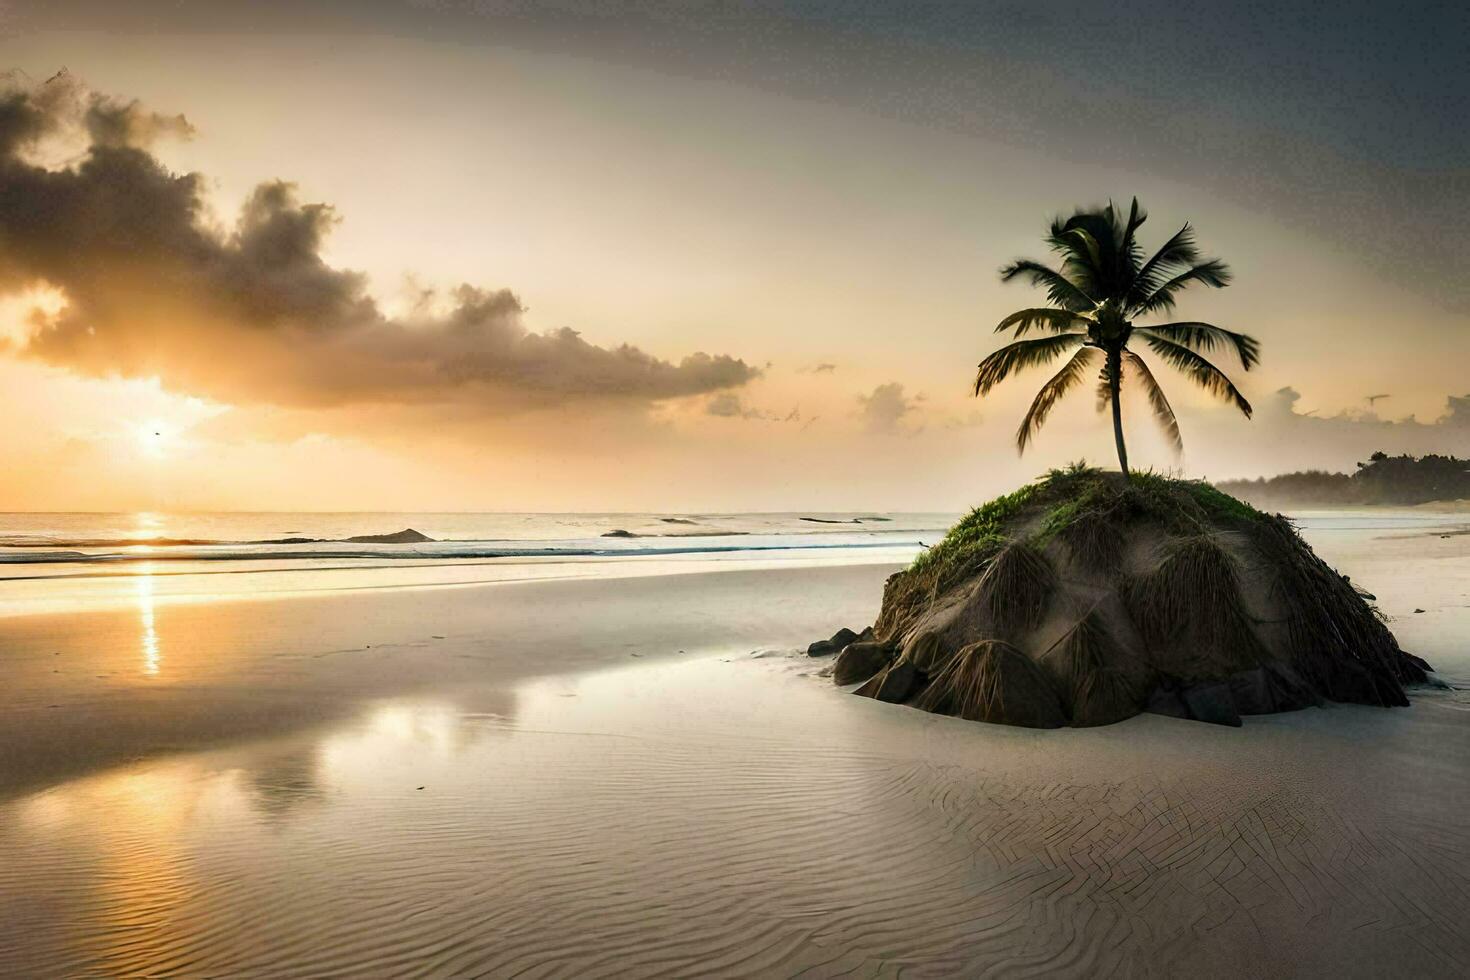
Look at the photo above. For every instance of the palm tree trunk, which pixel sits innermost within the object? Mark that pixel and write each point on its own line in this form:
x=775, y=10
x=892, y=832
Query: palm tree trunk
x=1115, y=377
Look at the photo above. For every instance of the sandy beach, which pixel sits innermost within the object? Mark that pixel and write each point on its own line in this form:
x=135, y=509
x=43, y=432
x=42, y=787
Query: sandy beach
x=645, y=776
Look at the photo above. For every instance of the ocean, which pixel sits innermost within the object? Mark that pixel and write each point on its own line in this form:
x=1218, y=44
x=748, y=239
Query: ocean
x=58, y=561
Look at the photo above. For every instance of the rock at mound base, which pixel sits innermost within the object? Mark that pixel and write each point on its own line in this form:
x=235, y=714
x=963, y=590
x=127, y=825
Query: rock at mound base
x=838, y=642
x=860, y=661
x=1211, y=703
x=896, y=682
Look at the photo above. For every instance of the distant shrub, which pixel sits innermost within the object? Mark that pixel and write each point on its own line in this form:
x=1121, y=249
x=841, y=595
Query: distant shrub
x=1383, y=479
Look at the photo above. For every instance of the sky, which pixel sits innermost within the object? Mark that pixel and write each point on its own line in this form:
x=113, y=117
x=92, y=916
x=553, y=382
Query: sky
x=459, y=255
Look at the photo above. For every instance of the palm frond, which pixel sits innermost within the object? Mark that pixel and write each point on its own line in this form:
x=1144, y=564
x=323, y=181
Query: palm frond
x=1200, y=371
x=1130, y=253
x=1063, y=381
x=1088, y=240
x=1019, y=355
x=1211, y=272
x=1156, y=400
x=1059, y=289
x=1104, y=390
x=1041, y=318
x=1206, y=337
x=1090, y=255
x=1178, y=251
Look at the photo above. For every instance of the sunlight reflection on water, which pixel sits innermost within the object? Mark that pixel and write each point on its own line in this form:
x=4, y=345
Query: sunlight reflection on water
x=152, y=657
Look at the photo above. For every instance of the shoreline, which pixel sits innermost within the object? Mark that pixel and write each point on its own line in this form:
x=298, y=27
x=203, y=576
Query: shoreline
x=96, y=590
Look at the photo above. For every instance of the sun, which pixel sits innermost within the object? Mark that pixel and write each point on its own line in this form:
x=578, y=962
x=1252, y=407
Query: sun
x=156, y=439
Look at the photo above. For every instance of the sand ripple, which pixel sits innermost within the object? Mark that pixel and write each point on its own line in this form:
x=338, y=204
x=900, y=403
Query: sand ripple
x=635, y=831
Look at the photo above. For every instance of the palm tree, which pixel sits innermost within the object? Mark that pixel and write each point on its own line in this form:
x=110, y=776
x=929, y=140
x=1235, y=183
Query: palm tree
x=1102, y=285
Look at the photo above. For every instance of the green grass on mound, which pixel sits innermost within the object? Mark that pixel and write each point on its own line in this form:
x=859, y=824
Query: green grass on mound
x=1082, y=505
x=1076, y=494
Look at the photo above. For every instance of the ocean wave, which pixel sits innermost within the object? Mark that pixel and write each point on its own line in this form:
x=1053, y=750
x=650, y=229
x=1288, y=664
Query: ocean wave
x=409, y=536
x=621, y=533
x=406, y=536
x=437, y=554
x=850, y=520
x=32, y=541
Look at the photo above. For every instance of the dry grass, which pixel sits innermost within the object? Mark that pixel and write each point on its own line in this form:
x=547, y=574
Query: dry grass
x=993, y=681
x=926, y=652
x=1016, y=587
x=1106, y=696
x=1099, y=680
x=1191, y=605
x=908, y=594
x=1094, y=540
x=1084, y=648
x=905, y=599
x=1337, y=640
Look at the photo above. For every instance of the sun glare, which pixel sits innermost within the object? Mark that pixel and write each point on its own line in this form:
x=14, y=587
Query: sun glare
x=155, y=439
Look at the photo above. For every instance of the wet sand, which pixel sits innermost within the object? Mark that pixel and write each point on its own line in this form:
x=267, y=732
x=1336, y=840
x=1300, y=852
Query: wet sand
x=554, y=789
x=90, y=689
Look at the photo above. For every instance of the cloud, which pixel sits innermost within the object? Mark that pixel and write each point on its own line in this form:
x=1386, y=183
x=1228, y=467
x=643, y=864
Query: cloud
x=1331, y=442
x=969, y=420
x=1281, y=408
x=887, y=409
x=64, y=112
x=253, y=313
x=826, y=367
x=728, y=405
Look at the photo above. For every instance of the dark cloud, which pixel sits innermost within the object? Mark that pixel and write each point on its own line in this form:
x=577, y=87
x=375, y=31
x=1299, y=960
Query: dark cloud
x=253, y=313
x=1346, y=119
x=64, y=107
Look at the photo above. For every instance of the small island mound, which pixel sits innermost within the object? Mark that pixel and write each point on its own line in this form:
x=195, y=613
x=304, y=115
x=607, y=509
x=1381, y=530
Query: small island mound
x=1088, y=597
x=407, y=536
